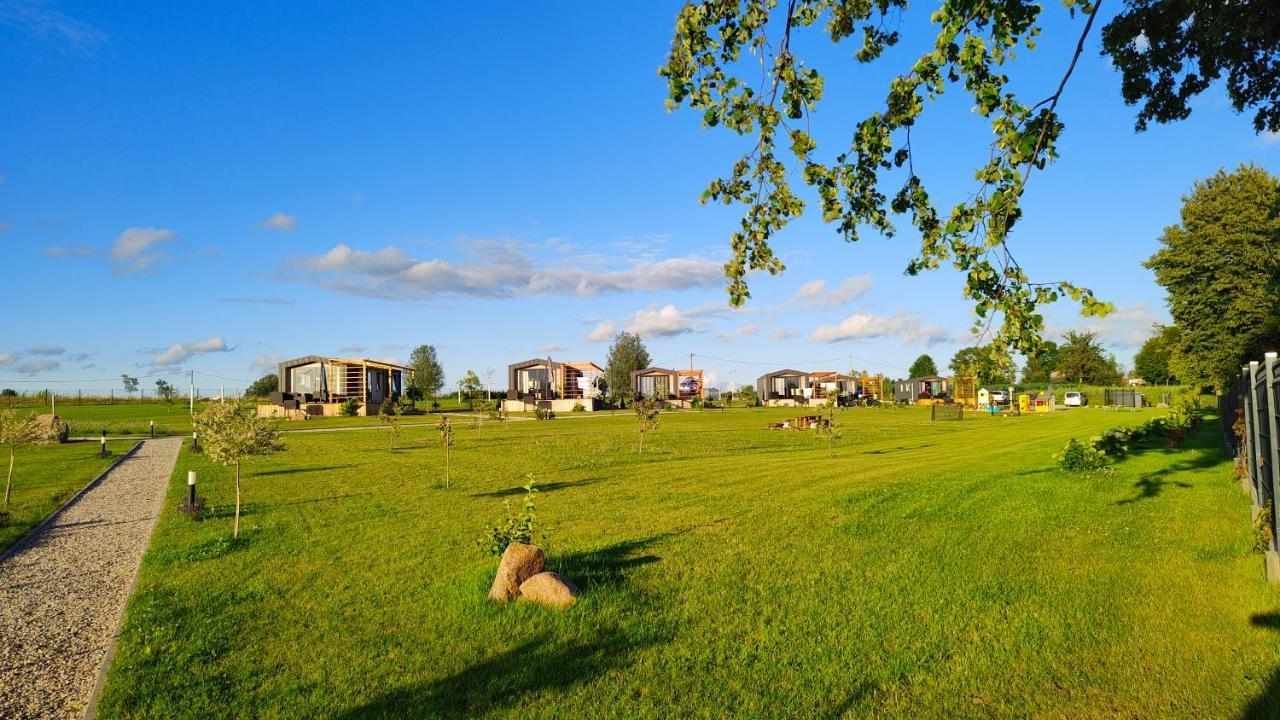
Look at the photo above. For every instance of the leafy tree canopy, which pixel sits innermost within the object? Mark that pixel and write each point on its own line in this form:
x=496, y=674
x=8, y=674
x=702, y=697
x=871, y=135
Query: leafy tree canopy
x=1167, y=51
x=1152, y=361
x=263, y=386
x=1041, y=363
x=924, y=365
x=979, y=363
x=1081, y=358
x=1220, y=267
x=428, y=372
x=626, y=355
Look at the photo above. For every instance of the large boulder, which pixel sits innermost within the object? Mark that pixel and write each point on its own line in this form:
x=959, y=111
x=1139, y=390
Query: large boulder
x=548, y=588
x=51, y=429
x=519, y=563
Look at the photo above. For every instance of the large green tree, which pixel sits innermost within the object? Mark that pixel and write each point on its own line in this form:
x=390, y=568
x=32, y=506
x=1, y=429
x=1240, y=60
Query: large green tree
x=1167, y=51
x=1219, y=267
x=626, y=355
x=1041, y=363
x=1152, y=361
x=924, y=365
x=263, y=386
x=1082, y=359
x=428, y=375
x=979, y=363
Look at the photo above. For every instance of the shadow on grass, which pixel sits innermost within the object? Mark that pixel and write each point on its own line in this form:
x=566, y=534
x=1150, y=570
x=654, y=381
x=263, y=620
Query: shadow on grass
x=1203, y=450
x=1267, y=705
x=299, y=471
x=607, y=566
x=540, y=665
x=900, y=448
x=541, y=488
x=856, y=696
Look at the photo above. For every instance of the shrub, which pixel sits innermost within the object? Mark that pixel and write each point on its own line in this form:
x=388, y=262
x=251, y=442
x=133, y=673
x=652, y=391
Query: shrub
x=544, y=413
x=1078, y=457
x=351, y=407
x=578, y=407
x=516, y=525
x=696, y=403
x=1262, y=529
x=435, y=404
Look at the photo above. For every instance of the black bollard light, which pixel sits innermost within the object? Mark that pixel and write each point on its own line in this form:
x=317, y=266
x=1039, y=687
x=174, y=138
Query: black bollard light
x=153, y=428
x=191, y=489
x=195, y=442
x=102, y=451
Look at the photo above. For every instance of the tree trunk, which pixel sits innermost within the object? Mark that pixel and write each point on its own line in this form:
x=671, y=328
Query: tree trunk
x=236, y=532
x=642, y=442
x=8, y=484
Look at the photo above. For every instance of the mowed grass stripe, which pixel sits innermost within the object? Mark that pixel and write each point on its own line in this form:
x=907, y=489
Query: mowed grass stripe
x=926, y=570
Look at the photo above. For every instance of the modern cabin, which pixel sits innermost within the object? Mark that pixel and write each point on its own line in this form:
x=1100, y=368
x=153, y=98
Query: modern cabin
x=677, y=387
x=926, y=390
x=558, y=385
x=784, y=387
x=827, y=384
x=314, y=385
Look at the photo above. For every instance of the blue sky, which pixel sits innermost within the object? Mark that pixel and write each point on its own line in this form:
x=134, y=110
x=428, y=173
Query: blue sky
x=217, y=186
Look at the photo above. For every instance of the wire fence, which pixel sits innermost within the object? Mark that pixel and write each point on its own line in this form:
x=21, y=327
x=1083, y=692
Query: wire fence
x=1250, y=413
x=66, y=398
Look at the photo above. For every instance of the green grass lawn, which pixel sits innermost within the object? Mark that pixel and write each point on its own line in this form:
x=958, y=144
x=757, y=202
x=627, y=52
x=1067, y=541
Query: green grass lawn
x=44, y=477
x=928, y=570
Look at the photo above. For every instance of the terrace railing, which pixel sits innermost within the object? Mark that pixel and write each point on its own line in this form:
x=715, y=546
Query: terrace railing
x=1253, y=398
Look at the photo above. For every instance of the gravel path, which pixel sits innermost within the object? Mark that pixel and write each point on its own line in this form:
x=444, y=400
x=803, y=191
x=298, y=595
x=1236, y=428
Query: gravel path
x=63, y=589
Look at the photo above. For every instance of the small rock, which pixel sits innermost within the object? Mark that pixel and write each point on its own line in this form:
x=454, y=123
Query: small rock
x=519, y=563
x=548, y=588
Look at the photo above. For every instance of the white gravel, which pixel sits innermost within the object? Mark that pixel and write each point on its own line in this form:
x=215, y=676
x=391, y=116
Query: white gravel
x=63, y=589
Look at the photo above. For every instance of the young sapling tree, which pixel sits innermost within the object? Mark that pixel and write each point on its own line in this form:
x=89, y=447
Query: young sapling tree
x=647, y=413
x=390, y=415
x=16, y=432
x=231, y=435
x=446, y=438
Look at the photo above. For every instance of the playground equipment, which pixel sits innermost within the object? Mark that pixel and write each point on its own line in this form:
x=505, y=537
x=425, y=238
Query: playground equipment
x=948, y=412
x=964, y=391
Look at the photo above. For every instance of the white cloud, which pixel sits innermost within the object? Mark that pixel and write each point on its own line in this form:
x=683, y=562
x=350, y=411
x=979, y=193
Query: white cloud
x=78, y=250
x=180, y=352
x=783, y=334
x=7, y=359
x=749, y=329
x=47, y=350
x=266, y=364
x=1269, y=137
x=281, y=221
x=1127, y=327
x=663, y=322
x=864, y=325
x=602, y=332
x=1141, y=43
x=52, y=26
x=551, y=347
x=352, y=349
x=491, y=270
x=132, y=250
x=815, y=293
x=34, y=367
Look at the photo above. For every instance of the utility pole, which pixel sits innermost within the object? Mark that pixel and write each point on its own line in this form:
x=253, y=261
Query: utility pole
x=191, y=394
x=690, y=361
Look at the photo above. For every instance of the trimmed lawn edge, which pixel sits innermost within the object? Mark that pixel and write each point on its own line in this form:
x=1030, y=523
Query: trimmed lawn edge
x=22, y=541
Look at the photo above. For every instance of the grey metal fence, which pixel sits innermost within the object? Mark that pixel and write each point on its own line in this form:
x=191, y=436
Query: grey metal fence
x=1253, y=399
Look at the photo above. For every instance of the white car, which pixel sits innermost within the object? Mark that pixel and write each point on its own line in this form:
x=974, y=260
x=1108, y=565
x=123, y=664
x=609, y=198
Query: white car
x=1075, y=399
x=999, y=397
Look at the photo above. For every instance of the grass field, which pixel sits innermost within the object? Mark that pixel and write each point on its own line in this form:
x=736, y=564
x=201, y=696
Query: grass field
x=926, y=571
x=44, y=476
